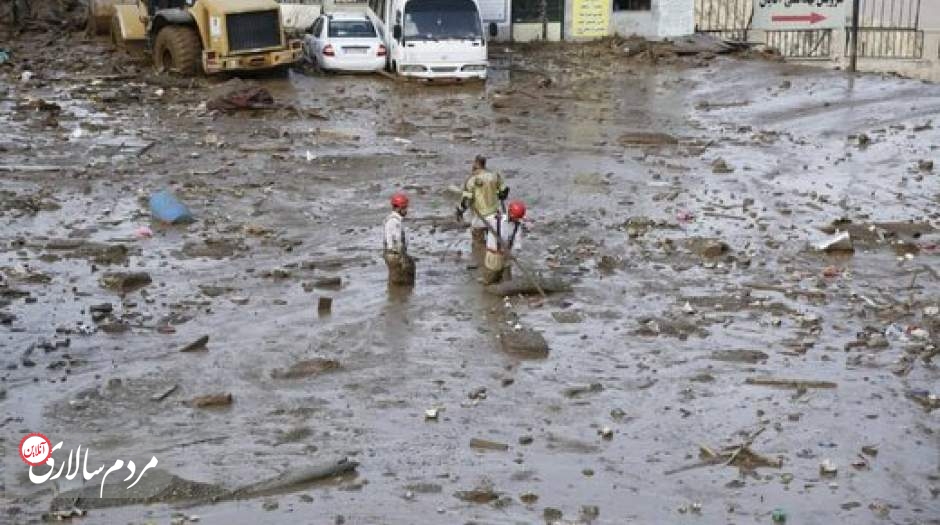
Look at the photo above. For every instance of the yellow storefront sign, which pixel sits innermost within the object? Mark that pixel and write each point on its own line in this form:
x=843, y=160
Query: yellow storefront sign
x=590, y=18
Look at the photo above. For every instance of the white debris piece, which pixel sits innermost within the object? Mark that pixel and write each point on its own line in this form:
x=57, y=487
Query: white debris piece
x=840, y=242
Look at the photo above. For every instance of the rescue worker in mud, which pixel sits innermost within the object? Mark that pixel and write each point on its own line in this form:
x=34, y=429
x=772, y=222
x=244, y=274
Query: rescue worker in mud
x=502, y=235
x=401, y=267
x=483, y=192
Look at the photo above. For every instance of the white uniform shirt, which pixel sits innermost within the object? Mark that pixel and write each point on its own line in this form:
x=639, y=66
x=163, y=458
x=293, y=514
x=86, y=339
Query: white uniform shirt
x=506, y=229
x=394, y=239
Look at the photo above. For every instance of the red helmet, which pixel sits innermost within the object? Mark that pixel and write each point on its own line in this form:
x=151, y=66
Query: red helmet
x=516, y=210
x=399, y=200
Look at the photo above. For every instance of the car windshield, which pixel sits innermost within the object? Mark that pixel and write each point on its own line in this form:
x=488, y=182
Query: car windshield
x=442, y=20
x=351, y=29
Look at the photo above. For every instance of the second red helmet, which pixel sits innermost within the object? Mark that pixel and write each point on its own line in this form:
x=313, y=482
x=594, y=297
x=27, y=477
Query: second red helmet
x=399, y=200
x=516, y=210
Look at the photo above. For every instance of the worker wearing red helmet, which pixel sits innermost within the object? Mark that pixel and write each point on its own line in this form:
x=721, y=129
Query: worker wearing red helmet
x=401, y=267
x=504, y=233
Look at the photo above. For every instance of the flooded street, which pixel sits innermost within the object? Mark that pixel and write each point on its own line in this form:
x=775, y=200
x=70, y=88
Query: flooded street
x=682, y=201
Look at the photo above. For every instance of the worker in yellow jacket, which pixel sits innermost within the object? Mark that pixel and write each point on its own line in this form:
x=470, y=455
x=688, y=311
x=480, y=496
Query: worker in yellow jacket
x=483, y=192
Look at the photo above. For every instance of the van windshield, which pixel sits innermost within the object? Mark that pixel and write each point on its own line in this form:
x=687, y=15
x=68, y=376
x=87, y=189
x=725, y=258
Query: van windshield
x=442, y=20
x=351, y=29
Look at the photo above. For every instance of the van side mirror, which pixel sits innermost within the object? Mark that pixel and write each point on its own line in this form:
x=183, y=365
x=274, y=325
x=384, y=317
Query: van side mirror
x=396, y=32
x=309, y=30
x=493, y=30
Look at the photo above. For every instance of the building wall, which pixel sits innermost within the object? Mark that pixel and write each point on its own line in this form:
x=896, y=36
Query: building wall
x=500, y=13
x=666, y=19
x=675, y=18
x=642, y=23
x=529, y=32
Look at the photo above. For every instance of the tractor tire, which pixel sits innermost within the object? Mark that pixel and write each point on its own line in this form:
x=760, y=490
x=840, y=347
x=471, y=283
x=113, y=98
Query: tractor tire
x=116, y=39
x=91, y=25
x=178, y=50
x=99, y=15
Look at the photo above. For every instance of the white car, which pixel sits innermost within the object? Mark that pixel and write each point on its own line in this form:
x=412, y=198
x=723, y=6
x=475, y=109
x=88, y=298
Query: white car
x=345, y=42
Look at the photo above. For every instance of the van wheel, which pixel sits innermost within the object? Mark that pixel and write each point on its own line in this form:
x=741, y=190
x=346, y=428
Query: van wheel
x=177, y=49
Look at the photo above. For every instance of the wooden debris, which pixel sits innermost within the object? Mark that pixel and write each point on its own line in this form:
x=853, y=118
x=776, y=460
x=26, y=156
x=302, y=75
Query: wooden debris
x=740, y=456
x=484, y=444
x=789, y=383
x=211, y=401
x=30, y=168
x=197, y=345
x=324, y=306
x=163, y=394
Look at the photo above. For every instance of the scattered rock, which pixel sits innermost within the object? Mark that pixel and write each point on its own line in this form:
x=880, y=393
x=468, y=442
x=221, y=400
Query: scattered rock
x=739, y=356
x=721, y=166
x=924, y=398
x=278, y=273
x=125, y=282
x=579, y=390
x=524, y=286
x=104, y=308
x=324, y=306
x=332, y=283
x=307, y=368
x=589, y=513
x=529, y=498
x=293, y=435
x=567, y=317
x=212, y=248
x=237, y=94
x=524, y=342
x=483, y=493
x=211, y=401
x=425, y=488
x=552, y=515
x=256, y=230
x=638, y=226
x=477, y=393
x=706, y=247
x=609, y=264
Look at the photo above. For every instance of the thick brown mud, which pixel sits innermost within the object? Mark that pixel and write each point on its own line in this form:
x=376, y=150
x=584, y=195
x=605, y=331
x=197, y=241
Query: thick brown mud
x=680, y=197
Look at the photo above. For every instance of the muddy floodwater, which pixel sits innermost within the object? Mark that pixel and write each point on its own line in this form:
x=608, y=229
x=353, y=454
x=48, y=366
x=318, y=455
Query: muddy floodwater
x=709, y=365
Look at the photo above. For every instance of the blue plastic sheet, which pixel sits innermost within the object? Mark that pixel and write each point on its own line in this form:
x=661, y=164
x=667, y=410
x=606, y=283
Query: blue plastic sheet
x=166, y=207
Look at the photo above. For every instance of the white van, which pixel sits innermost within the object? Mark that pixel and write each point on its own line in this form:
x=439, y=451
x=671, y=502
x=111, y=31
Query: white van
x=433, y=39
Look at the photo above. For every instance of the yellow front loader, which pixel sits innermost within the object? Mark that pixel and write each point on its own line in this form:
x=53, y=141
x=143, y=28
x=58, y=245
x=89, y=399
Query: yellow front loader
x=209, y=36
